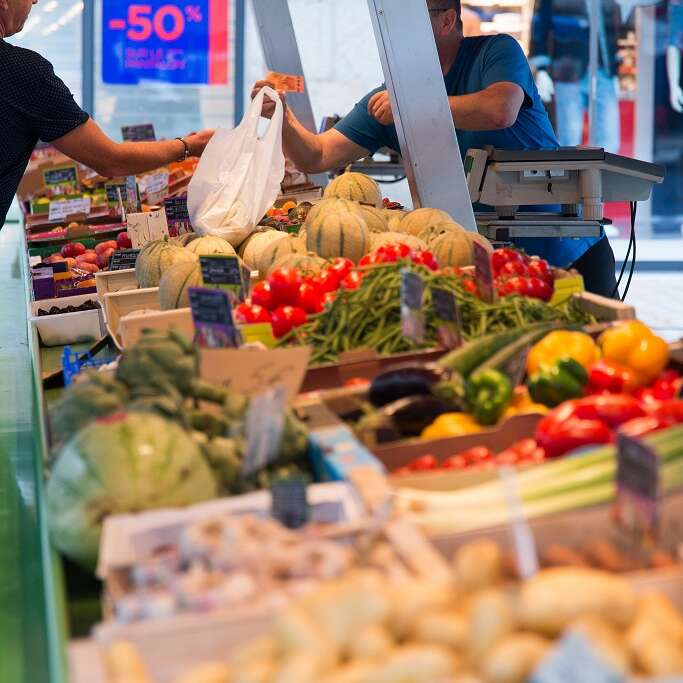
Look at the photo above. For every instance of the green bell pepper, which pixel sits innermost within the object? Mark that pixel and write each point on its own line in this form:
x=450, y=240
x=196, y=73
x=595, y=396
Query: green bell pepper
x=561, y=381
x=487, y=395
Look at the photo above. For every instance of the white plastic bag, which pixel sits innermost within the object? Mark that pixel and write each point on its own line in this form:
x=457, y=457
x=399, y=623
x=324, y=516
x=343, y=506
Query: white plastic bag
x=239, y=175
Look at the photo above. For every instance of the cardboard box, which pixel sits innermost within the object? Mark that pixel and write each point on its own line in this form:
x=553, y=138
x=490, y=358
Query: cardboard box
x=119, y=304
x=109, y=281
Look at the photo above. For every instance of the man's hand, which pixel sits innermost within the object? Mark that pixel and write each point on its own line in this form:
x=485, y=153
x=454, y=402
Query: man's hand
x=676, y=99
x=379, y=107
x=545, y=86
x=268, y=104
x=197, y=142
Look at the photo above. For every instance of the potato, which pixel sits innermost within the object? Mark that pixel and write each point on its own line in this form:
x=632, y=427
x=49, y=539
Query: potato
x=478, y=565
x=554, y=598
x=298, y=668
x=256, y=672
x=514, y=657
x=445, y=627
x=356, y=672
x=208, y=673
x=371, y=641
x=490, y=617
x=255, y=651
x=414, y=598
x=415, y=664
x=124, y=664
x=606, y=642
x=295, y=631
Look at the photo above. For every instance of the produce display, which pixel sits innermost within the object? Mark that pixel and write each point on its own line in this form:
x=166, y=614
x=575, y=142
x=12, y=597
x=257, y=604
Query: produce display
x=88, y=305
x=475, y=627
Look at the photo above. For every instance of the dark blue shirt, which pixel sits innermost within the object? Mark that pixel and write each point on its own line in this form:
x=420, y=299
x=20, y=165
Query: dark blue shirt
x=482, y=61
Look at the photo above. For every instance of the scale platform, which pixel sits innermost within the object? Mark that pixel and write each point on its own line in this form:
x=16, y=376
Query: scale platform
x=537, y=225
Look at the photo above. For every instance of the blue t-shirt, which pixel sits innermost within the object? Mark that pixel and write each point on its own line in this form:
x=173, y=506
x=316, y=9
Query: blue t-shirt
x=481, y=62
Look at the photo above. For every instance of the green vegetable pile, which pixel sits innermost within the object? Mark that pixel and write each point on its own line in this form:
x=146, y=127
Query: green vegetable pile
x=370, y=316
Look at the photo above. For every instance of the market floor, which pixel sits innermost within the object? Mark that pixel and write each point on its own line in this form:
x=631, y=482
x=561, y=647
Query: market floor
x=658, y=299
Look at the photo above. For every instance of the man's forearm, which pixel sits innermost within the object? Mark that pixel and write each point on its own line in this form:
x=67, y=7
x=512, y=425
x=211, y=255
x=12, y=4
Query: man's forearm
x=490, y=109
x=130, y=158
x=301, y=146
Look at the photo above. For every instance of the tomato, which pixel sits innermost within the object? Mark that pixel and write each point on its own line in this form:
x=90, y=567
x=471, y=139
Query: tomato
x=123, y=240
x=540, y=268
x=352, y=281
x=525, y=447
x=105, y=246
x=369, y=260
x=469, y=285
x=341, y=267
x=477, y=454
x=326, y=281
x=455, y=462
x=310, y=298
x=403, y=250
x=539, y=289
x=249, y=314
x=424, y=463
x=389, y=253
x=402, y=472
x=507, y=457
x=262, y=296
x=357, y=382
x=512, y=268
x=425, y=258
x=284, y=285
x=286, y=318
x=502, y=256
x=329, y=298
x=73, y=249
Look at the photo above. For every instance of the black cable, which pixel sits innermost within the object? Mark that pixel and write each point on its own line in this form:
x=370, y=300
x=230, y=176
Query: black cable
x=633, y=237
x=392, y=182
x=615, y=293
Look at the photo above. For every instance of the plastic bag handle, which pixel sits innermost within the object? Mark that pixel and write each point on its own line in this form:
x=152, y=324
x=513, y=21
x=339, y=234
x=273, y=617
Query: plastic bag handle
x=250, y=122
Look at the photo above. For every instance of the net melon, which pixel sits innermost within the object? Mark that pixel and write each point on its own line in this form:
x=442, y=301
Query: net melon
x=339, y=234
x=394, y=218
x=156, y=257
x=184, y=239
x=436, y=230
x=420, y=219
x=332, y=205
x=253, y=246
x=453, y=249
x=357, y=187
x=175, y=284
x=374, y=218
x=210, y=245
x=276, y=250
x=304, y=263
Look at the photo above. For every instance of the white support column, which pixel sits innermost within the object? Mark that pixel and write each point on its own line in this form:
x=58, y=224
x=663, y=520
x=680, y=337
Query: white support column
x=281, y=52
x=426, y=133
x=593, y=11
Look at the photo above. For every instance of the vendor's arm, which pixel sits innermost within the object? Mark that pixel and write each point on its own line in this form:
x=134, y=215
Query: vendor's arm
x=90, y=146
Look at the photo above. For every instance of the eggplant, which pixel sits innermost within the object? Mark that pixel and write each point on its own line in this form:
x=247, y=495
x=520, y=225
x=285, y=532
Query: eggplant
x=411, y=415
x=408, y=379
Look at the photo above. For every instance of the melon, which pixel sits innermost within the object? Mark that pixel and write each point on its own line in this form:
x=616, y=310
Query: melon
x=254, y=244
x=374, y=218
x=339, y=234
x=126, y=463
x=356, y=187
x=302, y=234
x=276, y=250
x=484, y=241
x=304, y=263
x=184, y=239
x=436, y=230
x=175, y=283
x=156, y=257
x=452, y=249
x=332, y=205
x=420, y=219
x=380, y=239
x=210, y=245
x=394, y=218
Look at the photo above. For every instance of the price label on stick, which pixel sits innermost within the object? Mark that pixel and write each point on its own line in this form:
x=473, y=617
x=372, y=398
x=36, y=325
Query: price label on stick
x=60, y=210
x=483, y=273
x=290, y=501
x=123, y=259
x=449, y=318
x=141, y=132
x=265, y=425
x=212, y=316
x=117, y=194
x=638, y=486
x=223, y=272
x=412, y=315
x=177, y=215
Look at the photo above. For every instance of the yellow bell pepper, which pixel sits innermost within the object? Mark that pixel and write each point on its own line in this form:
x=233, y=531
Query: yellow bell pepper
x=634, y=346
x=523, y=404
x=562, y=344
x=451, y=424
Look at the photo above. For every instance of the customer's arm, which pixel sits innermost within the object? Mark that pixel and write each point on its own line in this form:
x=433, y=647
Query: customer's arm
x=88, y=145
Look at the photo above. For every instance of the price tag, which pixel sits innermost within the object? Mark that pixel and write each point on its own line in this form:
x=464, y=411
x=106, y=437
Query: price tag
x=573, y=660
x=177, y=215
x=290, y=501
x=117, y=194
x=449, y=318
x=212, y=316
x=154, y=183
x=265, y=424
x=60, y=210
x=484, y=273
x=141, y=132
x=133, y=203
x=637, y=500
x=60, y=176
x=224, y=272
x=146, y=227
x=412, y=316
x=123, y=259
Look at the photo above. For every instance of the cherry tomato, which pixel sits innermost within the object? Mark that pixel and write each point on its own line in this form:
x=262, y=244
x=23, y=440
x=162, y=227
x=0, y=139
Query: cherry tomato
x=424, y=463
x=425, y=258
x=262, y=296
x=286, y=318
x=403, y=250
x=502, y=256
x=524, y=448
x=477, y=454
x=341, y=267
x=248, y=314
x=455, y=462
x=329, y=298
x=539, y=289
x=387, y=254
x=369, y=260
x=512, y=268
x=284, y=285
x=352, y=281
x=326, y=281
x=540, y=268
x=469, y=285
x=310, y=298
x=507, y=457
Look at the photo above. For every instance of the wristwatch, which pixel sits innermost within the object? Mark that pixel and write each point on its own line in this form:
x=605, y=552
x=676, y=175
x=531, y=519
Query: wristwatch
x=186, y=154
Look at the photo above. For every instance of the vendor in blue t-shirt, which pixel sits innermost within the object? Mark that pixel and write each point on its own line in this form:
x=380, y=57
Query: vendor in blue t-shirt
x=493, y=100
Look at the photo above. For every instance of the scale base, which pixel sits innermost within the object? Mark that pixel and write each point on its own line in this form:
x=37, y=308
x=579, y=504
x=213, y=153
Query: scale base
x=537, y=225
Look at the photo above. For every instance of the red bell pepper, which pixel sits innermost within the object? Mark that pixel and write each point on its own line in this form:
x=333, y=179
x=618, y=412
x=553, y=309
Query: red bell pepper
x=640, y=426
x=607, y=377
x=669, y=410
x=558, y=437
x=612, y=409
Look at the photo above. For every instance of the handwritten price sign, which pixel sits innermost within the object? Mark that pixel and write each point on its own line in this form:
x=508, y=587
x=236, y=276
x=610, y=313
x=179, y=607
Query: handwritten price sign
x=173, y=42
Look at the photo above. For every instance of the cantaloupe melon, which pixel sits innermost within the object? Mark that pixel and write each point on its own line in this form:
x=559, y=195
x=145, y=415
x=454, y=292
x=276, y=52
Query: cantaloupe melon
x=255, y=244
x=210, y=245
x=184, y=239
x=175, y=283
x=339, y=234
x=394, y=218
x=276, y=250
x=374, y=218
x=332, y=205
x=304, y=263
x=156, y=257
x=452, y=249
x=382, y=238
x=476, y=237
x=357, y=187
x=436, y=230
x=420, y=219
